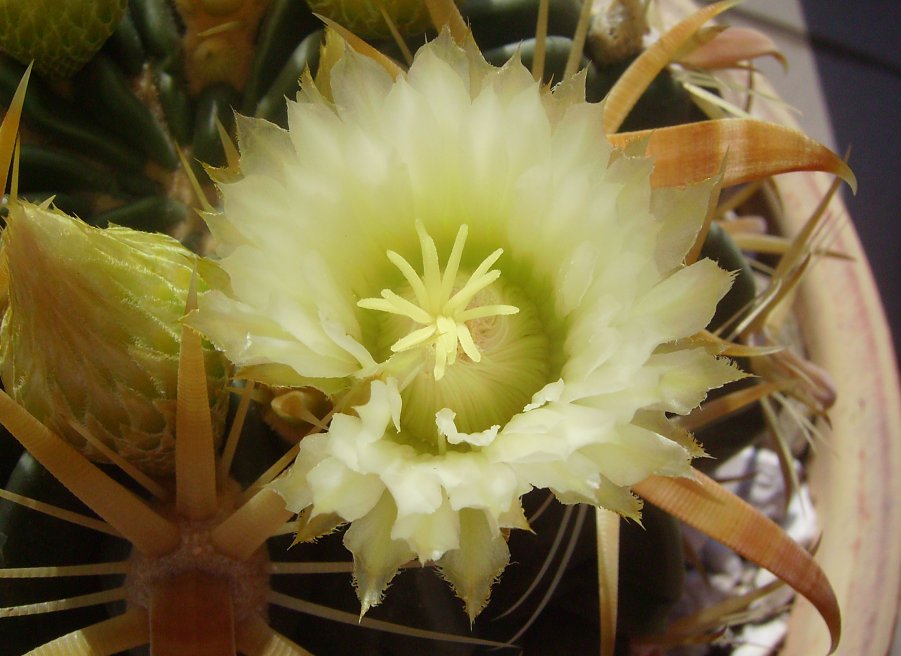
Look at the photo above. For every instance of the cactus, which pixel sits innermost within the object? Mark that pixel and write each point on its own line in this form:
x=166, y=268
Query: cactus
x=60, y=38
x=107, y=147
x=366, y=19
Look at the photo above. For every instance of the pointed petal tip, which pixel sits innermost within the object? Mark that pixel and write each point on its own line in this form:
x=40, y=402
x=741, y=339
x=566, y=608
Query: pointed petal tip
x=369, y=598
x=472, y=612
x=739, y=149
x=9, y=127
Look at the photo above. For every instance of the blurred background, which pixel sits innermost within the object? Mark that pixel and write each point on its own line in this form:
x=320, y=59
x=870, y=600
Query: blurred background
x=845, y=78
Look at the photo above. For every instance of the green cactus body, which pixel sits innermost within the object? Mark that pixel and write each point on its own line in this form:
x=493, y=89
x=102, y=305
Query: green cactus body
x=59, y=36
x=365, y=19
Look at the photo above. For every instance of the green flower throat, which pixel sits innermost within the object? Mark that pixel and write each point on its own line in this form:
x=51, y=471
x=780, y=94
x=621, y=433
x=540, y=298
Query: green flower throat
x=470, y=342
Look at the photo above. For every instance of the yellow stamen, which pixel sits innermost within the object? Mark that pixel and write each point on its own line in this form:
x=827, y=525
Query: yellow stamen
x=438, y=308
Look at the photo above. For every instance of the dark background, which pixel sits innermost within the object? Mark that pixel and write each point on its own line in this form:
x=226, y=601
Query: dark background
x=847, y=56
x=857, y=47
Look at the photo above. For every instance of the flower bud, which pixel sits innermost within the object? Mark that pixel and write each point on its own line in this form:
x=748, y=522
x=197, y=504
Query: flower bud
x=92, y=332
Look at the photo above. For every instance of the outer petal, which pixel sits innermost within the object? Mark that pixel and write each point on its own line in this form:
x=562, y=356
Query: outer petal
x=677, y=209
x=551, y=432
x=359, y=86
x=474, y=566
x=430, y=535
x=337, y=489
x=261, y=340
x=679, y=381
x=636, y=453
x=264, y=148
x=414, y=484
x=683, y=303
x=472, y=480
x=377, y=556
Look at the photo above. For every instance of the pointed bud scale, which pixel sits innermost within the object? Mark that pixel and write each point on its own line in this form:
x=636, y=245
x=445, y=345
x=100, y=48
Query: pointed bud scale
x=91, y=335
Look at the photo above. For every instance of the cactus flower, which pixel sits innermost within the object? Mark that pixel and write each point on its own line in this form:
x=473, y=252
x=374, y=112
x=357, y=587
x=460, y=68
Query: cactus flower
x=90, y=339
x=494, y=298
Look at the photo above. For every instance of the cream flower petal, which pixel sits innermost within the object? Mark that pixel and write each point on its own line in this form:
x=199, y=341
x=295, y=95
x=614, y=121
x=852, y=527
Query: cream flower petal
x=338, y=489
x=444, y=418
x=475, y=481
x=359, y=86
x=269, y=152
x=472, y=568
x=680, y=221
x=377, y=556
x=526, y=438
x=678, y=381
x=680, y=305
x=636, y=453
x=264, y=340
x=431, y=534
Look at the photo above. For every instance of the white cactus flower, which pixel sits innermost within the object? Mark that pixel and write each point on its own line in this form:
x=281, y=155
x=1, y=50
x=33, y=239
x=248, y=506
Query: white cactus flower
x=495, y=299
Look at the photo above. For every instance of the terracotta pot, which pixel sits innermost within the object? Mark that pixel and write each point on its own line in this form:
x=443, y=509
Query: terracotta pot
x=854, y=477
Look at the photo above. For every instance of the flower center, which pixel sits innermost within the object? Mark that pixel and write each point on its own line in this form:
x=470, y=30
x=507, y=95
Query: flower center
x=471, y=343
x=440, y=308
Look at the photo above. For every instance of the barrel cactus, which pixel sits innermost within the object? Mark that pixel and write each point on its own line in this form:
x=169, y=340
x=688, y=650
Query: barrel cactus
x=370, y=323
x=59, y=38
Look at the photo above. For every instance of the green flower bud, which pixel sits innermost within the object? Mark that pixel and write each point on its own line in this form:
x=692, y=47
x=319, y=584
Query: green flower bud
x=92, y=332
x=59, y=36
